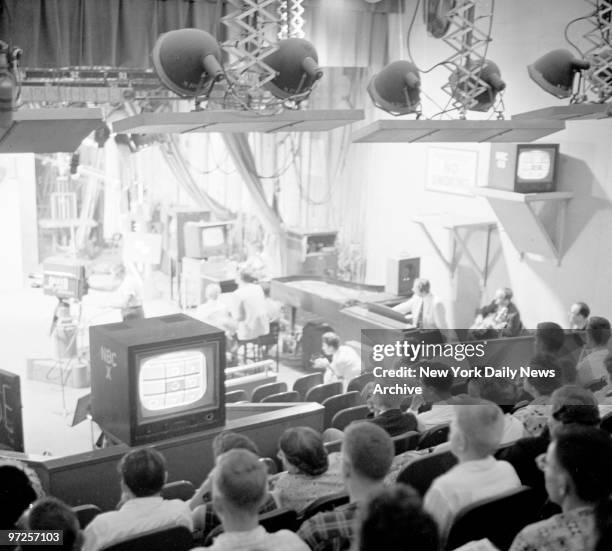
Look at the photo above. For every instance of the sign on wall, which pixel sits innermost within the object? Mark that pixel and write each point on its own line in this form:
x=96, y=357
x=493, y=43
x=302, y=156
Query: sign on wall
x=451, y=170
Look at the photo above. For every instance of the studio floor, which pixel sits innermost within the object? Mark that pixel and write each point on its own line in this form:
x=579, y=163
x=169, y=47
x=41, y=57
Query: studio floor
x=47, y=408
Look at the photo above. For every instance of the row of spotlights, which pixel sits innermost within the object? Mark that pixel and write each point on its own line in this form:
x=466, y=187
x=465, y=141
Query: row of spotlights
x=188, y=62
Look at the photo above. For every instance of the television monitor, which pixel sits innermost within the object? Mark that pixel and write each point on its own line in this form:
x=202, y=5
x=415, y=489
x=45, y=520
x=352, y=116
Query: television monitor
x=203, y=240
x=157, y=378
x=536, y=168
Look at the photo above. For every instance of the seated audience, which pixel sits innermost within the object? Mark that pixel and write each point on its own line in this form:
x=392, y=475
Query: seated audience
x=205, y=520
x=604, y=395
x=16, y=494
x=423, y=309
x=437, y=392
x=475, y=434
x=570, y=405
x=239, y=484
x=345, y=362
x=387, y=412
x=578, y=475
x=534, y=415
x=590, y=369
x=50, y=513
x=579, y=316
x=367, y=453
x=215, y=311
x=501, y=318
x=141, y=509
x=309, y=472
x=392, y=518
x=550, y=339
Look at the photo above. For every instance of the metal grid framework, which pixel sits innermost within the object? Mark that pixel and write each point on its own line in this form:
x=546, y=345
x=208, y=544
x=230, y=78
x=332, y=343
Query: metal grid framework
x=599, y=76
x=469, y=37
x=290, y=19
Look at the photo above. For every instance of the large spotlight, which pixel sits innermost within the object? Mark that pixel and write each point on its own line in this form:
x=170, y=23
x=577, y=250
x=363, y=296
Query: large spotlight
x=396, y=89
x=296, y=65
x=555, y=72
x=463, y=80
x=187, y=61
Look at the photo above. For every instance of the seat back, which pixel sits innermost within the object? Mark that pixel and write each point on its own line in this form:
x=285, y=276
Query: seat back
x=346, y=416
x=334, y=404
x=180, y=489
x=606, y=422
x=234, y=396
x=406, y=441
x=262, y=391
x=334, y=446
x=320, y=393
x=499, y=519
x=177, y=538
x=304, y=384
x=422, y=472
x=86, y=513
x=279, y=519
x=323, y=504
x=290, y=396
x=433, y=437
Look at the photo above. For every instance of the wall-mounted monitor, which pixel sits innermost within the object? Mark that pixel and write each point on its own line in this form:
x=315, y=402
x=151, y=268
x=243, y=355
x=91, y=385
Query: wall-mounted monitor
x=206, y=239
x=536, y=168
x=157, y=378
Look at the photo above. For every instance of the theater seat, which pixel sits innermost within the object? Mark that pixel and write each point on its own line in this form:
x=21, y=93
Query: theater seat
x=320, y=393
x=290, y=396
x=177, y=538
x=346, y=416
x=499, y=519
x=265, y=390
x=179, y=489
x=305, y=383
x=334, y=404
x=421, y=472
x=406, y=441
x=323, y=504
x=433, y=437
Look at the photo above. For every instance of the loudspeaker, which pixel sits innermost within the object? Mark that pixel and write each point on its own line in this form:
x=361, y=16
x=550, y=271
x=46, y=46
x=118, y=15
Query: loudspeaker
x=401, y=273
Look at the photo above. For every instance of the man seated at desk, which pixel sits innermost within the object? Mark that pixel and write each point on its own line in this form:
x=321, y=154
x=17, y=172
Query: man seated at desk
x=423, y=310
x=345, y=362
x=501, y=318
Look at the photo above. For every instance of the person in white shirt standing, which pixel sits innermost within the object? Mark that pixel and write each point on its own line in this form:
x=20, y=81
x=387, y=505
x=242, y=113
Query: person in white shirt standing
x=251, y=311
x=141, y=509
x=239, y=482
x=423, y=310
x=345, y=362
x=475, y=434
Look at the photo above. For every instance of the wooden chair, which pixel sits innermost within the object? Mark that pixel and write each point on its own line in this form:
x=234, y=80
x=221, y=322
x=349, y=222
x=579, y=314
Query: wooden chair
x=421, y=472
x=262, y=391
x=304, y=384
x=433, y=437
x=323, y=504
x=86, y=513
x=290, y=396
x=334, y=404
x=234, y=396
x=179, y=489
x=346, y=416
x=320, y=393
x=406, y=441
x=177, y=538
x=499, y=519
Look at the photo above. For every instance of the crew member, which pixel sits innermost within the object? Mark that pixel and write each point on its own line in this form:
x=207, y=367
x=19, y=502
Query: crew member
x=345, y=362
x=251, y=312
x=127, y=294
x=423, y=310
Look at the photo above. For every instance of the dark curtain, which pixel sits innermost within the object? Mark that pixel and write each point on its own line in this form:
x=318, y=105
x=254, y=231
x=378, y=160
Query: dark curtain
x=117, y=33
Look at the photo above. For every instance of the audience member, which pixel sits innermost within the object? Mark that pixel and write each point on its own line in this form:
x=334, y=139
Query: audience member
x=534, y=415
x=590, y=369
x=394, y=520
x=309, y=472
x=345, y=362
x=205, y=520
x=604, y=395
x=501, y=318
x=437, y=392
x=16, y=494
x=570, y=405
x=367, y=453
x=550, y=339
x=387, y=412
x=579, y=316
x=141, y=509
x=239, y=484
x=50, y=513
x=476, y=432
x=578, y=475
x=423, y=309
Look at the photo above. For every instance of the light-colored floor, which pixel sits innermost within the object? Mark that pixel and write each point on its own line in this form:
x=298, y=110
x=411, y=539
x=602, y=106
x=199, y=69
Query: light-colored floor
x=47, y=408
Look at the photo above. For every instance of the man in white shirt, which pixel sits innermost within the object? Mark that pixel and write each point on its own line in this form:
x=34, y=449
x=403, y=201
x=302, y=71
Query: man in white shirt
x=591, y=368
x=476, y=433
x=579, y=316
x=251, y=311
x=239, y=482
x=214, y=311
x=345, y=363
x=423, y=310
x=142, y=509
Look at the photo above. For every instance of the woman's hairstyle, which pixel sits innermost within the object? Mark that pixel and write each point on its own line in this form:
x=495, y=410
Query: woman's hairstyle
x=16, y=494
x=303, y=448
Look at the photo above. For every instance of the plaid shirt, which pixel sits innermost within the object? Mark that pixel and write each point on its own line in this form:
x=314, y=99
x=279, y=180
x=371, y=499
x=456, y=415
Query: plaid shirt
x=332, y=531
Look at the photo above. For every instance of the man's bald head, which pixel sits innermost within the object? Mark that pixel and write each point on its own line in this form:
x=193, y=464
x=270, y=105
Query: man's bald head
x=477, y=430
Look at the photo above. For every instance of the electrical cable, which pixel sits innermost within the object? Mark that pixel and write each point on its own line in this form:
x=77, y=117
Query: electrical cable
x=566, y=30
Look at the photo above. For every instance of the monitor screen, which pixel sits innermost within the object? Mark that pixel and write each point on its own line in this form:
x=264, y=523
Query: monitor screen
x=177, y=381
x=213, y=237
x=536, y=163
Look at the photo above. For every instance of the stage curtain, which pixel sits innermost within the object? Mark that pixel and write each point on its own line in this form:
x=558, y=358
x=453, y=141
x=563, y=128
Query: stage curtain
x=116, y=33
